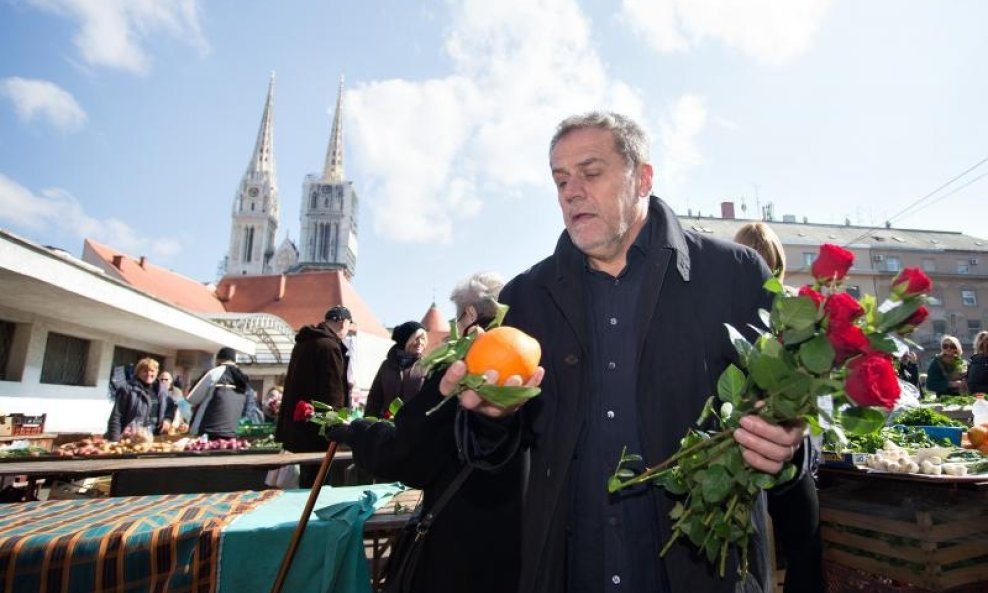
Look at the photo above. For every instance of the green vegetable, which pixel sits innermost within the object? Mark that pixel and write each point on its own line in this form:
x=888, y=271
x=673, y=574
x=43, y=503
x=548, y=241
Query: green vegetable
x=924, y=417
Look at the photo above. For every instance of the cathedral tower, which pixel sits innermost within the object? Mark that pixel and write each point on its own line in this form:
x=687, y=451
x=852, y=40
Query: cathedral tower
x=328, y=216
x=255, y=205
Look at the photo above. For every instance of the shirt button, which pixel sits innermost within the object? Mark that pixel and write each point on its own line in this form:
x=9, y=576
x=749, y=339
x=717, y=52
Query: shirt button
x=613, y=320
x=611, y=366
x=616, y=579
x=610, y=414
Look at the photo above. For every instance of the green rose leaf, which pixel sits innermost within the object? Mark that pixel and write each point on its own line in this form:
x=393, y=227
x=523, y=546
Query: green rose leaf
x=730, y=386
x=716, y=483
x=741, y=345
x=507, y=396
x=817, y=355
x=768, y=371
x=897, y=315
x=795, y=312
x=861, y=421
x=791, y=337
x=773, y=285
x=671, y=481
x=882, y=343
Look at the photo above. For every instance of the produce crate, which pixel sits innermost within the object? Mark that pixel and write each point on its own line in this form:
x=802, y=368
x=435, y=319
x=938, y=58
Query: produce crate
x=915, y=535
x=22, y=424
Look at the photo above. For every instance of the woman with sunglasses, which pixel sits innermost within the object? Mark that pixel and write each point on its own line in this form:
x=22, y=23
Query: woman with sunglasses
x=947, y=371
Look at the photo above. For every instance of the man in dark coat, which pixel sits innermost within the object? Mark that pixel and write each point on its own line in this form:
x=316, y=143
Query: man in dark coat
x=316, y=371
x=630, y=313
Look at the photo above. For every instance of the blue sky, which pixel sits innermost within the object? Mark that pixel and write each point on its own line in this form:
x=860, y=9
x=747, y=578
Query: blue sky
x=132, y=121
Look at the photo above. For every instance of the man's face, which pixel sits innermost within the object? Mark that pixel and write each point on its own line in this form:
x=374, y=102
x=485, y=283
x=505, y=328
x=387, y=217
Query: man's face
x=340, y=326
x=147, y=375
x=604, y=204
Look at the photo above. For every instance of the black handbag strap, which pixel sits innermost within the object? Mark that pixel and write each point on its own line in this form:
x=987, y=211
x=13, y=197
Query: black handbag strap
x=426, y=522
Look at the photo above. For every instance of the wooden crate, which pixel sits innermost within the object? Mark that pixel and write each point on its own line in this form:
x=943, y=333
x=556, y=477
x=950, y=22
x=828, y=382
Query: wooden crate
x=923, y=535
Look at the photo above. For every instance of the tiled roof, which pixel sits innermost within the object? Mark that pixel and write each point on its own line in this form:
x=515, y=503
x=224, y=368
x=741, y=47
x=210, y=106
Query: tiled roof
x=435, y=326
x=300, y=299
x=160, y=282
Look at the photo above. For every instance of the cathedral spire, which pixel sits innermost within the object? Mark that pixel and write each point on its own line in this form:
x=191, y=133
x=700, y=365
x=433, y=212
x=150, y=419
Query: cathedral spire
x=333, y=171
x=262, y=161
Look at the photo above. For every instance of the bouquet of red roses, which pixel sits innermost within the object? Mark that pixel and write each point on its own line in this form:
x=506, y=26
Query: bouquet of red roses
x=818, y=342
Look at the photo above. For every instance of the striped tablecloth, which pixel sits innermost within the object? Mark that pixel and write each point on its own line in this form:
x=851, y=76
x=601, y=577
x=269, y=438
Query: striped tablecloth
x=118, y=545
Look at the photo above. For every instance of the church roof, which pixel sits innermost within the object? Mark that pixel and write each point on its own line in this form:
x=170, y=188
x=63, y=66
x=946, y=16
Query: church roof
x=160, y=282
x=300, y=299
x=435, y=326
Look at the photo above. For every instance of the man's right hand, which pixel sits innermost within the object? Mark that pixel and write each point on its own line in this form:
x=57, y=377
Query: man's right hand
x=473, y=402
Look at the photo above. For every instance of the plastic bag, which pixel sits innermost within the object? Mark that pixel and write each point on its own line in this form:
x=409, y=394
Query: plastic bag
x=284, y=477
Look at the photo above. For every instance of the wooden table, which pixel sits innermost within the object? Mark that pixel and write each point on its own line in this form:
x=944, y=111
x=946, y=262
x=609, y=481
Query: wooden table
x=153, y=473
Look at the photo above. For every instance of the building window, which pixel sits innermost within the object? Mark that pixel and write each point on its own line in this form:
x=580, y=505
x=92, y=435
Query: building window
x=6, y=344
x=65, y=360
x=808, y=259
x=963, y=267
x=893, y=263
x=973, y=327
x=939, y=328
x=929, y=264
x=969, y=298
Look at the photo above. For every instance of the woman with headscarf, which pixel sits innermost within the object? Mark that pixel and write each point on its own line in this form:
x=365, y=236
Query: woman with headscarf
x=398, y=376
x=948, y=370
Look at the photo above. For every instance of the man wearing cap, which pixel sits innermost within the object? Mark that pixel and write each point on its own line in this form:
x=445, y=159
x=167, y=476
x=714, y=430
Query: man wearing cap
x=316, y=371
x=398, y=376
x=222, y=397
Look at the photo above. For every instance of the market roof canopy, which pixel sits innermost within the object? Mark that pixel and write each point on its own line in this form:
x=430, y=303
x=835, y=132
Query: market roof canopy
x=274, y=337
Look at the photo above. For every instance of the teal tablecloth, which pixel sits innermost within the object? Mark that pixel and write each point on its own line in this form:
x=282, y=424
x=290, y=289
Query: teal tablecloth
x=330, y=557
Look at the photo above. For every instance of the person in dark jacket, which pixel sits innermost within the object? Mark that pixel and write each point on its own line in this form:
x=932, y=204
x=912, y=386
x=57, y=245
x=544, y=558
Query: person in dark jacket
x=398, y=375
x=909, y=368
x=947, y=372
x=140, y=402
x=316, y=371
x=475, y=541
x=222, y=397
x=630, y=313
x=977, y=370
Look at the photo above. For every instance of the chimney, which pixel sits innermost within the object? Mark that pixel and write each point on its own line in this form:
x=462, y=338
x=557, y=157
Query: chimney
x=727, y=210
x=118, y=262
x=142, y=261
x=281, y=288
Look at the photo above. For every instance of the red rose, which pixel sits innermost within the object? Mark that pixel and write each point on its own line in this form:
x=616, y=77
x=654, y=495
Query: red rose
x=919, y=316
x=303, y=411
x=911, y=282
x=809, y=292
x=847, y=340
x=871, y=381
x=832, y=263
x=842, y=308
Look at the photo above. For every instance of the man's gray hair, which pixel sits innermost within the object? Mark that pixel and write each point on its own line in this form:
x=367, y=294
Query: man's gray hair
x=480, y=291
x=630, y=139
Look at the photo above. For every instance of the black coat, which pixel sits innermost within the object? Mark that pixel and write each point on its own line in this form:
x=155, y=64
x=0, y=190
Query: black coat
x=694, y=284
x=316, y=371
x=475, y=541
x=977, y=374
x=392, y=382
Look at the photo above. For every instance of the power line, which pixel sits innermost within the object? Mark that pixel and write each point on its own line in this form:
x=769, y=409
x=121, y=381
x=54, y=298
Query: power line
x=916, y=203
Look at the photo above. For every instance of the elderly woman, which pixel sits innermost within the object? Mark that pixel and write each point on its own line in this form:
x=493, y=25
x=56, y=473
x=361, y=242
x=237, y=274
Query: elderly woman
x=947, y=371
x=141, y=402
x=398, y=376
x=977, y=370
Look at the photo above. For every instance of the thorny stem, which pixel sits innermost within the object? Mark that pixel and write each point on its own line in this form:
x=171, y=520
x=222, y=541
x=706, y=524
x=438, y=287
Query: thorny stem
x=649, y=473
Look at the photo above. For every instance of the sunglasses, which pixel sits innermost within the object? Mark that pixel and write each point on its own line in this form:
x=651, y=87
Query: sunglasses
x=948, y=346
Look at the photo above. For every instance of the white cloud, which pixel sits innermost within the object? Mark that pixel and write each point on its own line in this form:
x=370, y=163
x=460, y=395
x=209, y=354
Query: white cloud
x=770, y=31
x=58, y=209
x=680, y=153
x=112, y=32
x=44, y=99
x=434, y=150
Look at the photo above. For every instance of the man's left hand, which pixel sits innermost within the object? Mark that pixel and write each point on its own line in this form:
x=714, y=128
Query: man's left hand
x=766, y=447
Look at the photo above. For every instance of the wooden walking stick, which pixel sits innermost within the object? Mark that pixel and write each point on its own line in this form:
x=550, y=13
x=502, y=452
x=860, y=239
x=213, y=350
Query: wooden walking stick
x=286, y=562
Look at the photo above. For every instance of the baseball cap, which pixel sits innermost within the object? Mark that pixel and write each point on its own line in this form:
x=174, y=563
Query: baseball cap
x=338, y=313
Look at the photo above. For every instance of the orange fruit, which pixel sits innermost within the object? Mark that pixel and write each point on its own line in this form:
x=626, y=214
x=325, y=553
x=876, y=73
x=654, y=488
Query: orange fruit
x=507, y=350
x=978, y=435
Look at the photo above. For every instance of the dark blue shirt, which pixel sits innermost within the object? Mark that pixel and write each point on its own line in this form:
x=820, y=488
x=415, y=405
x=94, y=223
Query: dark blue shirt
x=613, y=538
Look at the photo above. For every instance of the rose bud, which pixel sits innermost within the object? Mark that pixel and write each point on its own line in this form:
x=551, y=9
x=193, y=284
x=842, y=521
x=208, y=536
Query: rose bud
x=847, y=340
x=832, y=263
x=871, y=381
x=918, y=317
x=808, y=291
x=303, y=411
x=910, y=282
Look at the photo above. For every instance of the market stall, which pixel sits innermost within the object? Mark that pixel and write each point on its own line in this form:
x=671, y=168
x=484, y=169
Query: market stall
x=221, y=542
